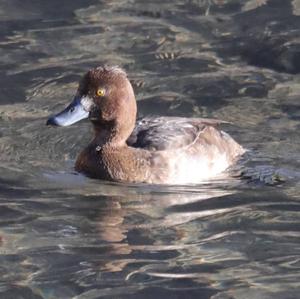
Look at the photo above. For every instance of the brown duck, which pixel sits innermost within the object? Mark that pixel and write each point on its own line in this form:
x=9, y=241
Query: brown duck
x=155, y=150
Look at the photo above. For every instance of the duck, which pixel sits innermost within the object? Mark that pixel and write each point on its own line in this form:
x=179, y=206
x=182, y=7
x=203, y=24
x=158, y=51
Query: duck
x=151, y=150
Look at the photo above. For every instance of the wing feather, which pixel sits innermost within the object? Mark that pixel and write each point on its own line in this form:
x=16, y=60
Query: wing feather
x=161, y=133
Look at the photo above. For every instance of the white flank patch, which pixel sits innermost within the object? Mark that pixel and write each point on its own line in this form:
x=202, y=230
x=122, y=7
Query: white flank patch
x=192, y=170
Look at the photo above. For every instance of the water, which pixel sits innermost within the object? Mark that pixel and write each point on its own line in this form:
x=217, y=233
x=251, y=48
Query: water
x=63, y=235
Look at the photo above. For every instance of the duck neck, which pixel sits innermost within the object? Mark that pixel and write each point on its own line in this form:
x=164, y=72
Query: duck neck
x=113, y=136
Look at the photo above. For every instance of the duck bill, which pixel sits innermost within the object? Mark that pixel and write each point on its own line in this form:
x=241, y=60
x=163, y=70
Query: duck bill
x=72, y=114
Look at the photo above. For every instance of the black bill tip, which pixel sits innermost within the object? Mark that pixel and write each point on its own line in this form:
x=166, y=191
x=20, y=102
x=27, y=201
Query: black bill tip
x=51, y=121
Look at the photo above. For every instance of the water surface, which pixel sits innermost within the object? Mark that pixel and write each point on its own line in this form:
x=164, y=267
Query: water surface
x=63, y=235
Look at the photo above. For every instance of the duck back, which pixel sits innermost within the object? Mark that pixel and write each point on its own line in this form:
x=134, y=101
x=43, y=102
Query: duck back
x=184, y=150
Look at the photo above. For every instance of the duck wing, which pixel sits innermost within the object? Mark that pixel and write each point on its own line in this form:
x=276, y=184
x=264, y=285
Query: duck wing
x=161, y=133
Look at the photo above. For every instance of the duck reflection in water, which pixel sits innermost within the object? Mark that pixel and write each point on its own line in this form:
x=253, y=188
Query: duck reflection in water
x=150, y=218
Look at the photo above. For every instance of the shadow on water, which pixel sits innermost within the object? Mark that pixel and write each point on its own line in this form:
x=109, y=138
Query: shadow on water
x=66, y=236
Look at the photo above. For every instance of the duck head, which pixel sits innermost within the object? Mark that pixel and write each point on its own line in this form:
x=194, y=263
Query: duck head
x=104, y=96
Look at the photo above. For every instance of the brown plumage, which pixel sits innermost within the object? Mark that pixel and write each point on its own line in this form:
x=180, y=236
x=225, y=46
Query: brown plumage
x=159, y=150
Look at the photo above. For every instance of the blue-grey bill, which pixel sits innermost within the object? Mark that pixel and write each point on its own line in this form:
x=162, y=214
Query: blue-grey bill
x=72, y=114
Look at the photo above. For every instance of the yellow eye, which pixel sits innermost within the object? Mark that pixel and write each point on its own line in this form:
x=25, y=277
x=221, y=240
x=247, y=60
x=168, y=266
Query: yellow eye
x=100, y=92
